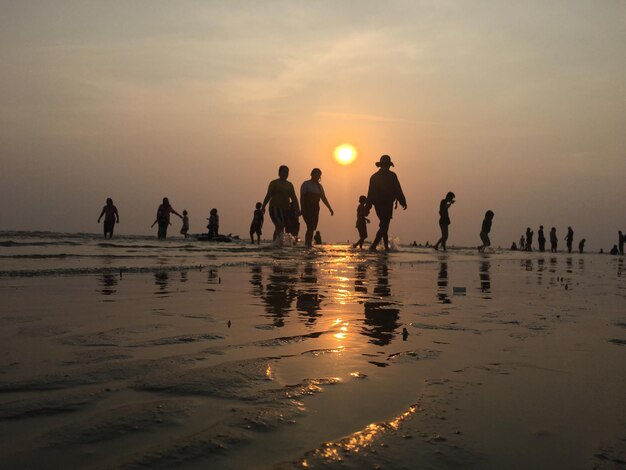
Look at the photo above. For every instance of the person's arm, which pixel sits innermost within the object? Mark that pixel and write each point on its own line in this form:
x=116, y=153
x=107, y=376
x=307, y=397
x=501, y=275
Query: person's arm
x=101, y=213
x=325, y=201
x=268, y=197
x=117, y=215
x=399, y=194
x=370, y=196
x=174, y=212
x=294, y=198
x=154, y=223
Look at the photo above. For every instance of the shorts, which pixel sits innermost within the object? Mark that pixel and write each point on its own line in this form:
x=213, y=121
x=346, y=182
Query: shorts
x=384, y=211
x=108, y=226
x=255, y=228
x=484, y=237
x=278, y=216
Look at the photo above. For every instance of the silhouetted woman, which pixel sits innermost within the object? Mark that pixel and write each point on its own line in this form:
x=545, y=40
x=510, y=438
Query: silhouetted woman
x=281, y=197
x=311, y=192
x=569, y=239
x=529, y=239
x=554, y=241
x=163, y=218
x=444, y=220
x=541, y=239
x=111, y=216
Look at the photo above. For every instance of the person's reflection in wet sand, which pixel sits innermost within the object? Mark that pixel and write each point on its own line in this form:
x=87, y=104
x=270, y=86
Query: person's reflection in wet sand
x=279, y=294
x=161, y=280
x=360, y=282
x=527, y=264
x=212, y=278
x=256, y=279
x=553, y=280
x=485, y=279
x=381, y=317
x=620, y=267
x=183, y=276
x=309, y=301
x=581, y=265
x=570, y=266
x=541, y=266
x=108, y=284
x=442, y=283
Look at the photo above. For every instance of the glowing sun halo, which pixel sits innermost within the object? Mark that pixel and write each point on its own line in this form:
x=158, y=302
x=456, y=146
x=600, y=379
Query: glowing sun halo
x=345, y=154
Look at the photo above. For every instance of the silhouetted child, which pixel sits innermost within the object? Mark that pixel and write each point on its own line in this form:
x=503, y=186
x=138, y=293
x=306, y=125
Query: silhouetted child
x=541, y=239
x=361, y=221
x=514, y=247
x=614, y=250
x=292, y=223
x=484, y=231
x=257, y=224
x=317, y=237
x=214, y=224
x=569, y=239
x=522, y=242
x=581, y=245
x=185, y=228
x=554, y=241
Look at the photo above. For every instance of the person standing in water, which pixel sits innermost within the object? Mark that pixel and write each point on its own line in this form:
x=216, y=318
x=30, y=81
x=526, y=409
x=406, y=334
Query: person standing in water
x=257, y=224
x=184, y=230
x=111, y=217
x=163, y=218
x=581, y=245
x=384, y=190
x=541, y=239
x=361, y=221
x=311, y=192
x=214, y=224
x=554, y=241
x=620, y=241
x=444, y=220
x=280, y=195
x=484, y=231
x=569, y=238
x=529, y=239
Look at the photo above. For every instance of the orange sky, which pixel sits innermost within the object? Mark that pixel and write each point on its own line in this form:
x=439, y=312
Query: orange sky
x=516, y=108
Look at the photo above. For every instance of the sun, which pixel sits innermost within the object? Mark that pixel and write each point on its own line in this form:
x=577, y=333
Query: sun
x=345, y=154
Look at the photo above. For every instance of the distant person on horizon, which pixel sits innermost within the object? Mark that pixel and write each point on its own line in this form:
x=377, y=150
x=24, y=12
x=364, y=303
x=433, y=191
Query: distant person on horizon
x=554, y=241
x=111, y=217
x=257, y=224
x=569, y=238
x=614, y=250
x=513, y=247
x=185, y=228
x=163, y=218
x=214, y=224
x=581, y=245
x=529, y=239
x=361, y=221
x=280, y=195
x=484, y=231
x=384, y=190
x=522, y=243
x=444, y=220
x=620, y=242
x=541, y=239
x=311, y=192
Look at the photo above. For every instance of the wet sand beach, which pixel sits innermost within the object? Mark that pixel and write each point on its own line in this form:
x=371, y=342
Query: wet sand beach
x=322, y=358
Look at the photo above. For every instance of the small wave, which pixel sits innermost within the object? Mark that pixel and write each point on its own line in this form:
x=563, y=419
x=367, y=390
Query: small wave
x=70, y=255
x=12, y=243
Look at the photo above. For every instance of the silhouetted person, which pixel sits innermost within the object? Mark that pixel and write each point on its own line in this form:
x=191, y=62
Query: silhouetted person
x=614, y=250
x=484, y=231
x=111, y=216
x=318, y=238
x=292, y=223
x=257, y=223
x=541, y=239
x=185, y=228
x=311, y=192
x=514, y=247
x=444, y=220
x=384, y=190
x=529, y=239
x=361, y=221
x=569, y=239
x=214, y=224
x=522, y=243
x=163, y=218
x=554, y=241
x=621, y=242
x=581, y=245
x=280, y=195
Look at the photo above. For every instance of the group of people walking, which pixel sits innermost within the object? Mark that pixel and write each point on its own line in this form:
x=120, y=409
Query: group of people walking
x=384, y=195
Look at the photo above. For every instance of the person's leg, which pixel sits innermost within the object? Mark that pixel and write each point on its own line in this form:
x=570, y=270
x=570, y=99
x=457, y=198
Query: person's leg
x=444, y=236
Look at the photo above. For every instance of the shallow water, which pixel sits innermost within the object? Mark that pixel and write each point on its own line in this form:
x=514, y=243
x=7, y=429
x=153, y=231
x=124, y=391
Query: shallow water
x=330, y=357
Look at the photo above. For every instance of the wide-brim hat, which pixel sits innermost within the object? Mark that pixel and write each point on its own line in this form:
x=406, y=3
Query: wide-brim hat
x=385, y=160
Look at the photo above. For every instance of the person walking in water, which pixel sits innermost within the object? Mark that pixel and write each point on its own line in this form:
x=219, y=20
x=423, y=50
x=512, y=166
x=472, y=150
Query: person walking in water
x=569, y=238
x=311, y=192
x=541, y=239
x=163, y=218
x=257, y=224
x=361, y=221
x=620, y=241
x=280, y=195
x=444, y=220
x=554, y=241
x=484, y=231
x=384, y=190
x=184, y=230
x=111, y=217
x=529, y=239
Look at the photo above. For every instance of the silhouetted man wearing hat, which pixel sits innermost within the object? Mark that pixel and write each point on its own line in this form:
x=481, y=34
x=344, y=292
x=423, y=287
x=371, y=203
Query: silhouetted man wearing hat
x=383, y=192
